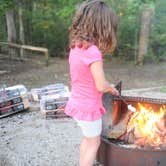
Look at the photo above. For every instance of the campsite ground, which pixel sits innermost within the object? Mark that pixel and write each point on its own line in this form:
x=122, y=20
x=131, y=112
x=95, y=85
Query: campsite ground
x=33, y=73
x=28, y=139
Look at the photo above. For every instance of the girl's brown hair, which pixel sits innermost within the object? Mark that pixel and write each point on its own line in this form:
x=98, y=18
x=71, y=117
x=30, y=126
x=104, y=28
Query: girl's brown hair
x=94, y=23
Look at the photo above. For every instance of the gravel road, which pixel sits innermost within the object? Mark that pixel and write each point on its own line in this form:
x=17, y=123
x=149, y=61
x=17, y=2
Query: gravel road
x=28, y=139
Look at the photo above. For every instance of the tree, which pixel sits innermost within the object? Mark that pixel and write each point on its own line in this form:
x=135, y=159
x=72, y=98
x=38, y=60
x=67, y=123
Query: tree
x=11, y=29
x=46, y=24
x=7, y=11
x=21, y=26
x=144, y=33
x=158, y=33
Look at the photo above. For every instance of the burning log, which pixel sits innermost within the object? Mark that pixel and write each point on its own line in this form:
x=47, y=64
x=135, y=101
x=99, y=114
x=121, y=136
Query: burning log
x=142, y=134
x=116, y=131
x=146, y=127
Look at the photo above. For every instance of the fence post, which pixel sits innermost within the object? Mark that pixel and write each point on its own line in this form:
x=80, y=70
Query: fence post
x=21, y=53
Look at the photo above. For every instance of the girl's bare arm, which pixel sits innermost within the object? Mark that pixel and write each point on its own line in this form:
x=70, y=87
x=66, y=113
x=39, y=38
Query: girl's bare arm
x=101, y=83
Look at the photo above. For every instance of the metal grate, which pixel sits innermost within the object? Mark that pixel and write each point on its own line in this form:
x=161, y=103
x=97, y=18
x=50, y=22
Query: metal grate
x=142, y=99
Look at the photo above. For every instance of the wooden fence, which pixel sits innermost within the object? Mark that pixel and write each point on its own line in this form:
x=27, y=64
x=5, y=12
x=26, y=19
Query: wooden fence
x=27, y=47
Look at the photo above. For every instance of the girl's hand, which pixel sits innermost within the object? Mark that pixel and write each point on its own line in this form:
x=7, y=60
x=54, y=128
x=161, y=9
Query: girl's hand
x=113, y=90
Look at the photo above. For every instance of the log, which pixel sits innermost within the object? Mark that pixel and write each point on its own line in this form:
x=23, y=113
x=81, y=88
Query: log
x=120, y=128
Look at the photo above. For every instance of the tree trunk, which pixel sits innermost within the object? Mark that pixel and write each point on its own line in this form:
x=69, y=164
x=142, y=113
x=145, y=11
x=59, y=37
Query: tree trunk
x=28, y=22
x=11, y=29
x=21, y=27
x=144, y=34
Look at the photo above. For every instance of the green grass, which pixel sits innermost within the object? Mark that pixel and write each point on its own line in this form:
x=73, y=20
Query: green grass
x=163, y=89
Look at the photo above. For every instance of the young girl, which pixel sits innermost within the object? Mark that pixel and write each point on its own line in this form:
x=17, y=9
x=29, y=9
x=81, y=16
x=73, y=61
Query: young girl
x=93, y=31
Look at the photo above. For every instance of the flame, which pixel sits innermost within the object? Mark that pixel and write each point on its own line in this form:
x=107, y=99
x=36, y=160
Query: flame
x=145, y=122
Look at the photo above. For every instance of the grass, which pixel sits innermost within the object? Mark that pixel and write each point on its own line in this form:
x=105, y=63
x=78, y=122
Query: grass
x=163, y=89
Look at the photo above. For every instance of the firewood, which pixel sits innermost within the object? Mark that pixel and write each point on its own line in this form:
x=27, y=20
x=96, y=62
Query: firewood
x=160, y=126
x=138, y=133
x=131, y=138
x=140, y=141
x=119, y=129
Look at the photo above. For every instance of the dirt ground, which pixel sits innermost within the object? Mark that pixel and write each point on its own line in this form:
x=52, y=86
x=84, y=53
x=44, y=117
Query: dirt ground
x=28, y=139
x=34, y=73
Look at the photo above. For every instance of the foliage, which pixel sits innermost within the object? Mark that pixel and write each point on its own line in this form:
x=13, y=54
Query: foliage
x=158, y=35
x=4, y=4
x=128, y=12
x=2, y=30
x=50, y=23
x=46, y=24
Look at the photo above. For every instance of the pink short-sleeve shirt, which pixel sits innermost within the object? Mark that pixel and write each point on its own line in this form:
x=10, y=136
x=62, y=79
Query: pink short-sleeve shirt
x=85, y=102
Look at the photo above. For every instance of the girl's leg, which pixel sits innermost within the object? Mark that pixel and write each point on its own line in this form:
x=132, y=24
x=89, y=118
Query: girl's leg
x=88, y=150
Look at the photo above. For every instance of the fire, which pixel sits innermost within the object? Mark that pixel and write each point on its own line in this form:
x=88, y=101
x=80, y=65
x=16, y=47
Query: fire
x=148, y=126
